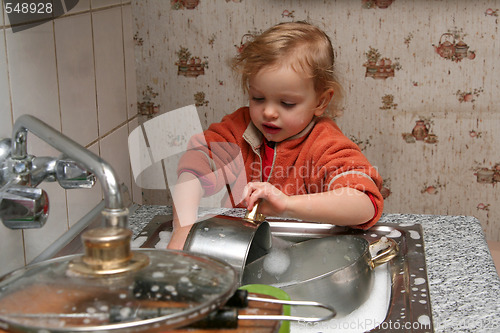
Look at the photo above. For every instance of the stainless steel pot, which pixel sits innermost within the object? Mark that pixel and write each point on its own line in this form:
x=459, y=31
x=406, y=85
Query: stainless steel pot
x=336, y=270
x=236, y=241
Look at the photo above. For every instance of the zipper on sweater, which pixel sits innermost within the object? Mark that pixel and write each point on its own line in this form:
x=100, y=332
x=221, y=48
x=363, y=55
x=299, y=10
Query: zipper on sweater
x=260, y=159
x=272, y=164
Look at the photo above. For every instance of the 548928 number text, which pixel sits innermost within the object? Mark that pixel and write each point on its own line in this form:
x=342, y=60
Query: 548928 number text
x=28, y=7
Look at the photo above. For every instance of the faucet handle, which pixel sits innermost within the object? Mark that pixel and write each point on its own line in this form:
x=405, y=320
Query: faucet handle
x=23, y=207
x=70, y=175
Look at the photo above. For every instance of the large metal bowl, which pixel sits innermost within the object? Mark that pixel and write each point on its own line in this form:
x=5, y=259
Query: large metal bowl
x=335, y=270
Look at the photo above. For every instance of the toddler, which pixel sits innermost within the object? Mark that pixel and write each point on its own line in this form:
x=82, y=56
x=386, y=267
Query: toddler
x=297, y=162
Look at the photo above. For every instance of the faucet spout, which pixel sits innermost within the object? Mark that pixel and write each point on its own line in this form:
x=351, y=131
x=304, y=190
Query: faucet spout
x=115, y=213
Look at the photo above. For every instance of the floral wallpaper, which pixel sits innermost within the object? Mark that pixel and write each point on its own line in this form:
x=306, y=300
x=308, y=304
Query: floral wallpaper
x=421, y=80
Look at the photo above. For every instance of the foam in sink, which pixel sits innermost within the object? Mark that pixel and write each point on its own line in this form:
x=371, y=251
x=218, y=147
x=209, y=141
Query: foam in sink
x=368, y=316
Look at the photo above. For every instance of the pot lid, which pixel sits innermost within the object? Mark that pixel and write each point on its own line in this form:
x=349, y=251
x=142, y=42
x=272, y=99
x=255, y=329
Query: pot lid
x=173, y=290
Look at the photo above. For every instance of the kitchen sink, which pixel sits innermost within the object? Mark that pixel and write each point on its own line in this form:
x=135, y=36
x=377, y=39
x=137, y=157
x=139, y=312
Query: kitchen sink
x=408, y=308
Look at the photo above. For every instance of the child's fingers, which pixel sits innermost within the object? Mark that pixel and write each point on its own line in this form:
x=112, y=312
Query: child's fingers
x=273, y=200
x=254, y=196
x=247, y=192
x=253, y=193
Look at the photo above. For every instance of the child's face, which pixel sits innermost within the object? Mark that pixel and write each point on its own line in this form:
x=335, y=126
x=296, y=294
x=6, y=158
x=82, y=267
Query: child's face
x=282, y=102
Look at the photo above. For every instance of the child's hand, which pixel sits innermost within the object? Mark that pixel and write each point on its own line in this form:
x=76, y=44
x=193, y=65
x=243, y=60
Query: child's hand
x=273, y=201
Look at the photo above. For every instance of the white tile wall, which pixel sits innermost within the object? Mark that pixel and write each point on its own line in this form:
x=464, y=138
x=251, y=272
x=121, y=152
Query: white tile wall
x=32, y=73
x=104, y=3
x=130, y=77
x=77, y=74
x=1, y=15
x=11, y=249
x=75, y=65
x=109, y=64
x=81, y=6
x=114, y=150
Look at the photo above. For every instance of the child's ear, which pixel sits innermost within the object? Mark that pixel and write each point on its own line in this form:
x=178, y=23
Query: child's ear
x=324, y=99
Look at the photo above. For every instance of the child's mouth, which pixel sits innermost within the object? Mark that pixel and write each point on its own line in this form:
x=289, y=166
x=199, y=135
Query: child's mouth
x=270, y=128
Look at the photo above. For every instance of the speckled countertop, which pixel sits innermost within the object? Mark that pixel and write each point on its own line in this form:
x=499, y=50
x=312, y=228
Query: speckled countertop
x=463, y=283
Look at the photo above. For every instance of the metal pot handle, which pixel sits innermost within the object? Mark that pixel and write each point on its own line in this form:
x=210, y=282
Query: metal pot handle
x=381, y=257
x=254, y=216
x=332, y=313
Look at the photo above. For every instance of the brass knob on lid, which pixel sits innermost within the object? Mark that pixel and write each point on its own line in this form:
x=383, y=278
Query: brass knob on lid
x=107, y=251
x=254, y=215
x=107, y=247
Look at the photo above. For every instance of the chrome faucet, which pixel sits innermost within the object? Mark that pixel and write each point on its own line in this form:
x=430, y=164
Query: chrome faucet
x=22, y=204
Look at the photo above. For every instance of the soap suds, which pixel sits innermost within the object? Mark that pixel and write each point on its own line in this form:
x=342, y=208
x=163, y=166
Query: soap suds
x=276, y=262
x=394, y=234
x=419, y=281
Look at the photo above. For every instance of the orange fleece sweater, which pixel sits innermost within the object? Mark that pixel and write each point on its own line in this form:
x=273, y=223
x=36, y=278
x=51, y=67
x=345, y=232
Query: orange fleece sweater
x=318, y=159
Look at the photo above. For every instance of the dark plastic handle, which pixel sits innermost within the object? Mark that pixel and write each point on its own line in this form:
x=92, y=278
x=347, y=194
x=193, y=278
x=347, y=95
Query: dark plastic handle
x=223, y=318
x=238, y=300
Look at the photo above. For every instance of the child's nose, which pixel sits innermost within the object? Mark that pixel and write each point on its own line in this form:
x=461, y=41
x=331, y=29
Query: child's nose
x=270, y=112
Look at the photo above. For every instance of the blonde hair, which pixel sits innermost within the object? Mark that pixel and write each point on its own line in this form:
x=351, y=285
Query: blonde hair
x=305, y=47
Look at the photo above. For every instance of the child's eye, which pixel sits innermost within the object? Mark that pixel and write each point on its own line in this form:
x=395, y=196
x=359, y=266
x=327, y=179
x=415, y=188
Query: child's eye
x=288, y=105
x=258, y=99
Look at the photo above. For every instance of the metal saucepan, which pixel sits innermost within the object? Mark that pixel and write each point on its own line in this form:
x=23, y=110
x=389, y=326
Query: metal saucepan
x=335, y=270
x=235, y=241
